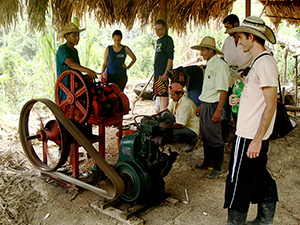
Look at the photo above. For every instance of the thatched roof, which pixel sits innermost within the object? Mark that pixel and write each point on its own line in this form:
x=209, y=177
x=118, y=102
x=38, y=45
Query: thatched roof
x=178, y=13
x=278, y=10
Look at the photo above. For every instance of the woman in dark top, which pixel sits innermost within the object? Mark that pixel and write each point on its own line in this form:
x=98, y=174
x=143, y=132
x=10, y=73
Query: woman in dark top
x=114, y=67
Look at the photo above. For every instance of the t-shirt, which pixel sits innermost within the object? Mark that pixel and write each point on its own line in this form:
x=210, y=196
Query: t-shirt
x=164, y=50
x=264, y=73
x=216, y=79
x=234, y=54
x=184, y=112
x=64, y=52
x=116, y=61
x=195, y=78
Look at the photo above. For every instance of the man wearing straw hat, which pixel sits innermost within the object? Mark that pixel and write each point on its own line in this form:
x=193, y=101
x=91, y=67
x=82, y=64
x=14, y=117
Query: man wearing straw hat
x=238, y=62
x=67, y=55
x=213, y=96
x=248, y=179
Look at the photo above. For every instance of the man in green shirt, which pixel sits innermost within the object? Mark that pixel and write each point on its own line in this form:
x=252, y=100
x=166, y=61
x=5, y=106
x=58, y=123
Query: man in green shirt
x=67, y=54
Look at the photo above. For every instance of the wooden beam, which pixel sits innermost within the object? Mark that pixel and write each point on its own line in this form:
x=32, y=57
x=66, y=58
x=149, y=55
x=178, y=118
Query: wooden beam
x=162, y=14
x=296, y=71
x=248, y=8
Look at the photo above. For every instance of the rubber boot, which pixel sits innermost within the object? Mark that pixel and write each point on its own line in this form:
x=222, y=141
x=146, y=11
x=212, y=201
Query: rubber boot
x=218, y=158
x=265, y=214
x=207, y=161
x=236, y=218
x=217, y=163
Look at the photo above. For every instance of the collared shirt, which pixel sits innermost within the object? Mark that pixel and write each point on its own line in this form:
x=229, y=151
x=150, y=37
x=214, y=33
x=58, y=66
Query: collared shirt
x=234, y=54
x=216, y=79
x=184, y=111
x=263, y=73
x=236, y=58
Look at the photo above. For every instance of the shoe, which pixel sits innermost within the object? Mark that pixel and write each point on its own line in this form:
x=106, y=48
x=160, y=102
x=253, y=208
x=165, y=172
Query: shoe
x=204, y=166
x=191, y=146
x=214, y=174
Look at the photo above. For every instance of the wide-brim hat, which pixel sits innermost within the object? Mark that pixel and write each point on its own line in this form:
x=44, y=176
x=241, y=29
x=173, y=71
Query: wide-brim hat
x=70, y=28
x=207, y=42
x=256, y=26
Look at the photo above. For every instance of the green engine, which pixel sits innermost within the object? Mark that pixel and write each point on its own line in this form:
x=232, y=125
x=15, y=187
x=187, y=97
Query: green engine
x=142, y=161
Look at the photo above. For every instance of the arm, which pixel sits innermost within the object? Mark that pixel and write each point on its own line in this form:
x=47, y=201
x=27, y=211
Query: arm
x=161, y=112
x=218, y=113
x=169, y=66
x=73, y=65
x=103, y=77
x=132, y=56
x=197, y=112
x=270, y=95
x=105, y=60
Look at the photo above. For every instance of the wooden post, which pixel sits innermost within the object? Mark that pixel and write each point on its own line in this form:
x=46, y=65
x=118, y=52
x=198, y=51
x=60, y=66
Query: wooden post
x=162, y=14
x=296, y=86
x=248, y=8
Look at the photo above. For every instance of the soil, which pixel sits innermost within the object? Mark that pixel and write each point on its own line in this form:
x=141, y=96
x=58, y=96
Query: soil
x=27, y=197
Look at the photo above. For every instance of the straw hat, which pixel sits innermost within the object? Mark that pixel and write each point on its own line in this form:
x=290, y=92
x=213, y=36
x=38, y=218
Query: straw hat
x=256, y=26
x=177, y=87
x=207, y=42
x=70, y=28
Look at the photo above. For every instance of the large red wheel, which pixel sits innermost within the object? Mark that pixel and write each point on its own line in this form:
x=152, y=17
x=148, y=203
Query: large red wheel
x=72, y=95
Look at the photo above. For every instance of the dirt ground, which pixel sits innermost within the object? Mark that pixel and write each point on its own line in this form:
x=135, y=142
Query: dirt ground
x=27, y=197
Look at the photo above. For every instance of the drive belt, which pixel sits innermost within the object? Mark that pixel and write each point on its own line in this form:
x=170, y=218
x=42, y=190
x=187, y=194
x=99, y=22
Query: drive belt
x=113, y=186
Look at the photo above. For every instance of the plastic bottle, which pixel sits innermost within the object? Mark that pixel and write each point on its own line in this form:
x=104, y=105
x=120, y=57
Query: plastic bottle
x=237, y=90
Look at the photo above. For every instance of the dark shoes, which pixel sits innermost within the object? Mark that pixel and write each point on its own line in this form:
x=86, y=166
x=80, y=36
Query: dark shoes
x=214, y=174
x=204, y=165
x=191, y=146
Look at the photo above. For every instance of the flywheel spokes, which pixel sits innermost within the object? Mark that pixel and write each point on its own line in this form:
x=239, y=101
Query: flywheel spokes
x=44, y=139
x=73, y=97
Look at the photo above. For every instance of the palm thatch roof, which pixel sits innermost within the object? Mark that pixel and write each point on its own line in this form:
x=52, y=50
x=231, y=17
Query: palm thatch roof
x=278, y=10
x=178, y=13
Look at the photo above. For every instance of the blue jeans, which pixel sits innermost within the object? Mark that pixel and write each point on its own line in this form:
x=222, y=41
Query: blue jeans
x=193, y=95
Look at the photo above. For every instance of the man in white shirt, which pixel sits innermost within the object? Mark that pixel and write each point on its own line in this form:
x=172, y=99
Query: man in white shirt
x=238, y=62
x=213, y=96
x=248, y=180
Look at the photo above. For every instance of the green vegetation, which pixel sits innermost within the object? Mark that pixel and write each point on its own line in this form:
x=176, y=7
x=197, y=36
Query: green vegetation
x=27, y=59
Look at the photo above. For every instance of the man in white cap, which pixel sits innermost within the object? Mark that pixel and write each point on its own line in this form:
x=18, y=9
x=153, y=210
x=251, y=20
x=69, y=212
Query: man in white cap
x=67, y=55
x=181, y=111
x=248, y=179
x=213, y=96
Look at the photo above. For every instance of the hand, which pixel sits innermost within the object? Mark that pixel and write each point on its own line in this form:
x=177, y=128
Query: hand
x=254, y=149
x=217, y=116
x=92, y=74
x=234, y=99
x=164, y=77
x=124, y=66
x=103, y=77
x=198, y=111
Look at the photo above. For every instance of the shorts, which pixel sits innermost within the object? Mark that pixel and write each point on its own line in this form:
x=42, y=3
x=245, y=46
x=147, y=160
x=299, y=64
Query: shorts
x=161, y=88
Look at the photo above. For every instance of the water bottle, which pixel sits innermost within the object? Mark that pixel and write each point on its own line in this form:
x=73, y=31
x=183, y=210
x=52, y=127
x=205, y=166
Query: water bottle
x=237, y=90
